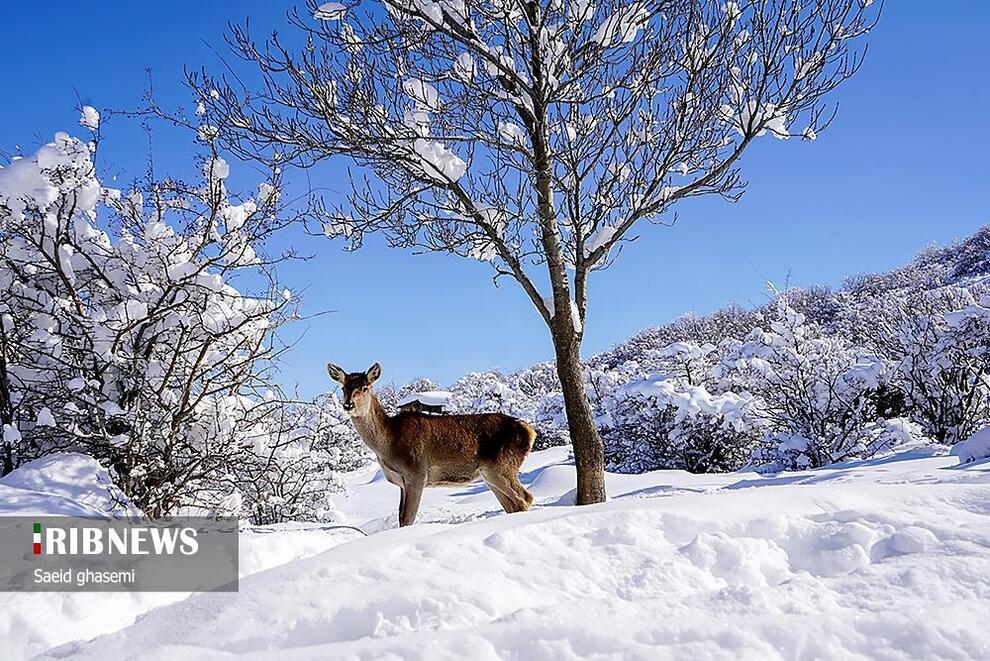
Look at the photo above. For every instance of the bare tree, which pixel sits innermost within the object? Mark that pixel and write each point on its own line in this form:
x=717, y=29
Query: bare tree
x=534, y=135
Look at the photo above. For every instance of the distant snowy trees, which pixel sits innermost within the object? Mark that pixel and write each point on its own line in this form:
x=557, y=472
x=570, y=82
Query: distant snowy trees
x=888, y=359
x=938, y=343
x=536, y=137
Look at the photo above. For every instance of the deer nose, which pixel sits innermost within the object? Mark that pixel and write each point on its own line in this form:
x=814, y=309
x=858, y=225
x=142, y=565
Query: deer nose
x=348, y=406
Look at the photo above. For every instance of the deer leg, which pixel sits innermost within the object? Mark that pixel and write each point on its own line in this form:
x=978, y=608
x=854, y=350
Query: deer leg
x=507, y=503
x=511, y=500
x=412, y=493
x=522, y=491
x=402, y=502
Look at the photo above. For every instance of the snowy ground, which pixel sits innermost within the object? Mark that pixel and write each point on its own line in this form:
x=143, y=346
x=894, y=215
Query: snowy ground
x=887, y=558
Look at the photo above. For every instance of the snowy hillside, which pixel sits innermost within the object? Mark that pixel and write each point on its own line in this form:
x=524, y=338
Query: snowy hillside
x=884, y=558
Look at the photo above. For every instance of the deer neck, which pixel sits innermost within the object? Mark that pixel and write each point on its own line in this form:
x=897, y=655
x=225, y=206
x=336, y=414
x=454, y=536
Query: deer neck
x=373, y=428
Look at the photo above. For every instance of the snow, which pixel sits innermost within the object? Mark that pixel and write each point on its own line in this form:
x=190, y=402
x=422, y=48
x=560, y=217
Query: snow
x=601, y=236
x=429, y=398
x=45, y=418
x=690, y=400
x=623, y=26
x=11, y=434
x=888, y=556
x=90, y=118
x=62, y=484
x=216, y=168
x=330, y=11
x=437, y=161
x=974, y=448
x=76, y=485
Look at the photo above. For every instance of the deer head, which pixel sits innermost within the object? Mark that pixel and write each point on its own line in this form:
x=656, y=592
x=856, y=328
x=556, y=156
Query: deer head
x=357, y=388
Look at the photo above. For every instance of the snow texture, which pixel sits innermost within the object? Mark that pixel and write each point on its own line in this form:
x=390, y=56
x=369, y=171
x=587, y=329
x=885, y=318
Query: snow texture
x=890, y=554
x=974, y=448
x=330, y=11
x=90, y=118
x=63, y=484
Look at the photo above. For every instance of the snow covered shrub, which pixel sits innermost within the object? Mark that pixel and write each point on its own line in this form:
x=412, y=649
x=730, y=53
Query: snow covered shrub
x=550, y=422
x=668, y=422
x=936, y=342
x=714, y=329
x=816, y=393
x=298, y=450
x=293, y=471
x=971, y=256
x=329, y=426
x=485, y=392
x=123, y=335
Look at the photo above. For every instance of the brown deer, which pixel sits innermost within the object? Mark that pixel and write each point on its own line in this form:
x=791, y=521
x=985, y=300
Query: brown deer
x=417, y=450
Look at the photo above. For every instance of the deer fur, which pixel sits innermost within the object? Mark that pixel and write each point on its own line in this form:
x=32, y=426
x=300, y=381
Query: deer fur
x=417, y=450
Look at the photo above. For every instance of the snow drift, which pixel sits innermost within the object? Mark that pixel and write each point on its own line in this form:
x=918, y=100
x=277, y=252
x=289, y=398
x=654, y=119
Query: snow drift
x=62, y=484
x=887, y=557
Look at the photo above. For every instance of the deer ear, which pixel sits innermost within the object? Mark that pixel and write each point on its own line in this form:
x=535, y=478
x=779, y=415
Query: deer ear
x=374, y=372
x=335, y=373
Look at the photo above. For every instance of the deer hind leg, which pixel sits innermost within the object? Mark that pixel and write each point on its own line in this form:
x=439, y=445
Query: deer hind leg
x=526, y=495
x=510, y=493
x=508, y=503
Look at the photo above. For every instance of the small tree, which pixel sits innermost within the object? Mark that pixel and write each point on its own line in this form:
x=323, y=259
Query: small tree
x=121, y=333
x=536, y=136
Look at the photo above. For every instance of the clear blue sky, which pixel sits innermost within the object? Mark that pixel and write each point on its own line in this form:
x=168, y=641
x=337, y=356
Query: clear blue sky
x=903, y=165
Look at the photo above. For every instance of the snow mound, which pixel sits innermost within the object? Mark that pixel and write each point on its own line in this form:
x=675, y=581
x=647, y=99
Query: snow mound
x=888, y=555
x=974, y=448
x=62, y=484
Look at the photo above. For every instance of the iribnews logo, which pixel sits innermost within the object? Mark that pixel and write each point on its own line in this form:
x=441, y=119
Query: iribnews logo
x=82, y=540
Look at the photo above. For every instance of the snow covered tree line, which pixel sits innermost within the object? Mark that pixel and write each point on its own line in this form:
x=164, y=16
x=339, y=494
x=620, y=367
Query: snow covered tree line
x=812, y=378
x=123, y=335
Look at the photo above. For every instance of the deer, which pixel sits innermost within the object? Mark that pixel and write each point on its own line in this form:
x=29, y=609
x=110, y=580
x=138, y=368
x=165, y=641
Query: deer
x=417, y=450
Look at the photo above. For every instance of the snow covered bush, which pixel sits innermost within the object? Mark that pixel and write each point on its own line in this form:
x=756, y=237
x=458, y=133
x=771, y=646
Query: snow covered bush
x=668, y=422
x=816, y=393
x=333, y=433
x=936, y=342
x=123, y=335
x=297, y=452
x=486, y=392
x=298, y=456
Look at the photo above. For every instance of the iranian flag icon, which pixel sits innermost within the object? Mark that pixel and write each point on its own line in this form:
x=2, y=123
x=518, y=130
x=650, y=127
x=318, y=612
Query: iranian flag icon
x=37, y=539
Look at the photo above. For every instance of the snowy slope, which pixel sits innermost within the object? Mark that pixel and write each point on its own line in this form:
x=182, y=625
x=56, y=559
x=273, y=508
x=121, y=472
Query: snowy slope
x=887, y=558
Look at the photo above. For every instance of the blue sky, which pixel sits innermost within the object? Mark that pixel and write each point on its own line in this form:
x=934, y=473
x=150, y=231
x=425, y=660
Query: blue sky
x=903, y=165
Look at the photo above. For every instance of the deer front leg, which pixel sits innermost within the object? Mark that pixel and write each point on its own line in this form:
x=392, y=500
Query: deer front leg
x=412, y=493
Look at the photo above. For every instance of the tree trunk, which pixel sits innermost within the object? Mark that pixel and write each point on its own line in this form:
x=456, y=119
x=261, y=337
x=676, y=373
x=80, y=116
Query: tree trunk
x=6, y=412
x=589, y=452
